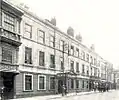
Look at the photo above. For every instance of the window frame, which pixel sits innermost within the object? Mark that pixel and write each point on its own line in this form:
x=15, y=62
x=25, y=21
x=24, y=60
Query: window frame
x=29, y=55
x=72, y=85
x=44, y=82
x=61, y=63
x=53, y=42
x=52, y=64
x=8, y=21
x=91, y=59
x=87, y=57
x=83, y=68
x=43, y=63
x=62, y=46
x=7, y=49
x=83, y=55
x=95, y=61
x=41, y=37
x=30, y=32
x=77, y=67
x=72, y=67
x=72, y=50
x=77, y=81
x=50, y=81
x=31, y=82
x=77, y=52
x=83, y=84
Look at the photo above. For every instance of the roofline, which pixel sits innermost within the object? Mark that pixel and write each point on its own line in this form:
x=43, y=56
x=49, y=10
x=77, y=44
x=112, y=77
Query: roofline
x=22, y=10
x=13, y=6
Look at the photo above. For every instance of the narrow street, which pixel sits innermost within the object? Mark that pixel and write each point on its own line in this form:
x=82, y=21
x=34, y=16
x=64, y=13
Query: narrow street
x=111, y=95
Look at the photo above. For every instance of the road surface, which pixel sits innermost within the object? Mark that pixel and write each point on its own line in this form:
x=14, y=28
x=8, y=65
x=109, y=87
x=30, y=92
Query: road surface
x=111, y=95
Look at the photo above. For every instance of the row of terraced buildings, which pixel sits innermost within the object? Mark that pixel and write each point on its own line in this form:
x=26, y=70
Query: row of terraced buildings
x=37, y=58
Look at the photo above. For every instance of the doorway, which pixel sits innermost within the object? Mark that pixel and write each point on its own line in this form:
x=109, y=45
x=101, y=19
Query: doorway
x=8, y=82
x=60, y=84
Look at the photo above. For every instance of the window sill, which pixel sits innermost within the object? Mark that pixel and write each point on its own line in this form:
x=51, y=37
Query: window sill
x=28, y=91
x=29, y=65
x=41, y=67
x=41, y=90
x=52, y=68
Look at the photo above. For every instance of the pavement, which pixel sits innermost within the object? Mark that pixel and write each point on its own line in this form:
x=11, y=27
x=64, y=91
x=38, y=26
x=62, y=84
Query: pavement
x=50, y=97
x=59, y=96
x=111, y=95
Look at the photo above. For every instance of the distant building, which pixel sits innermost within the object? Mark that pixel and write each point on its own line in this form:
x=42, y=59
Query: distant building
x=116, y=79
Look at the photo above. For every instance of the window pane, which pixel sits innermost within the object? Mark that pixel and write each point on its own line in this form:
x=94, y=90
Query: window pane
x=77, y=83
x=52, y=61
x=61, y=62
x=52, y=41
x=77, y=67
x=6, y=55
x=52, y=82
x=9, y=22
x=41, y=82
x=77, y=52
x=83, y=70
x=28, y=31
x=72, y=65
x=41, y=58
x=72, y=50
x=28, y=82
x=72, y=83
x=28, y=55
x=41, y=36
x=83, y=84
x=61, y=45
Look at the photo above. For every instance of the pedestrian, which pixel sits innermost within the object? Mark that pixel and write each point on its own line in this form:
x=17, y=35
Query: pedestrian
x=63, y=90
x=107, y=87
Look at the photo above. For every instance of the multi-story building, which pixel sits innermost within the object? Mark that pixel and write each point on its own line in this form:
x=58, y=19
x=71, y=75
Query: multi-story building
x=109, y=74
x=116, y=79
x=48, y=57
x=103, y=70
x=10, y=40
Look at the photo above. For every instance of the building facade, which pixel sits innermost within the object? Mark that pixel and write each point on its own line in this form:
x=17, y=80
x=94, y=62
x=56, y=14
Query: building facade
x=10, y=40
x=45, y=57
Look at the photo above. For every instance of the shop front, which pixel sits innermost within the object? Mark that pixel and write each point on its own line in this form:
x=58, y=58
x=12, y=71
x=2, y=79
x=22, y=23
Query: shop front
x=7, y=80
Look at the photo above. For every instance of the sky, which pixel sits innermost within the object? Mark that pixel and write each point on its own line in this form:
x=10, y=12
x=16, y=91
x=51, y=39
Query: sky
x=96, y=20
